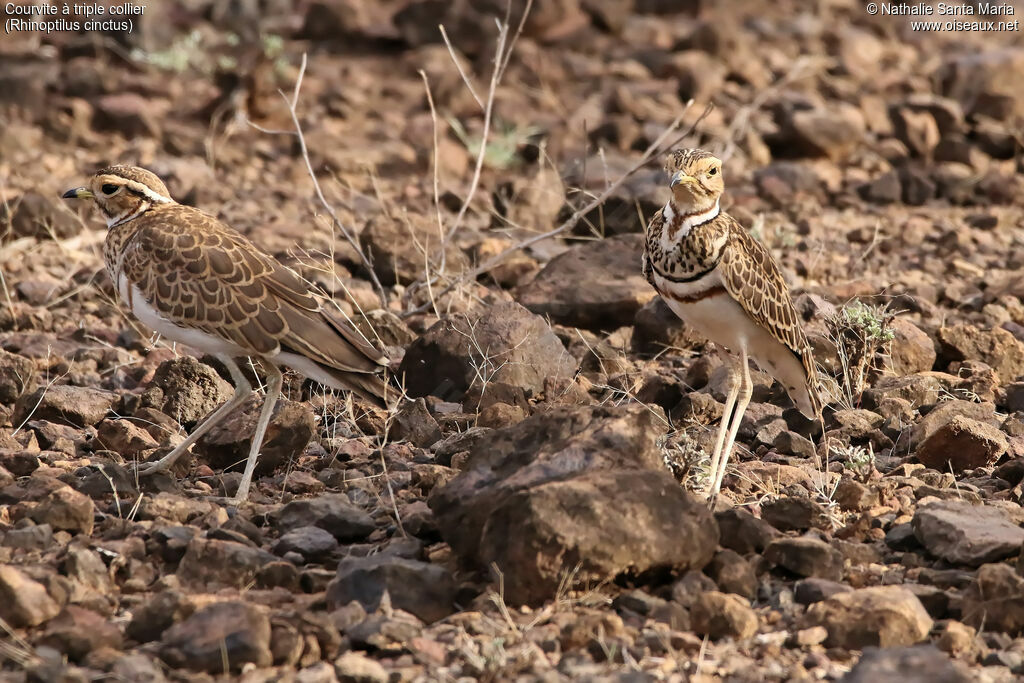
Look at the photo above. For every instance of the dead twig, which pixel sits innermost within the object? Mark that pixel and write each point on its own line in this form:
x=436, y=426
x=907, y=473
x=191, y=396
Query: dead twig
x=292, y=103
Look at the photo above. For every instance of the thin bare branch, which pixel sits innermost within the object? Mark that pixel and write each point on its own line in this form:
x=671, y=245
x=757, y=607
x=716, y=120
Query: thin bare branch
x=292, y=104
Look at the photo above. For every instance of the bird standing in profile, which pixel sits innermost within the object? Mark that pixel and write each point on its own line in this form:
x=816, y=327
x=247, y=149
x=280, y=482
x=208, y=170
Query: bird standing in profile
x=724, y=284
x=198, y=282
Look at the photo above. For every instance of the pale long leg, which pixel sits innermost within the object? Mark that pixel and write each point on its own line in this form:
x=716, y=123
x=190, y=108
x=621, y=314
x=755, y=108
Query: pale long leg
x=723, y=427
x=242, y=391
x=746, y=390
x=273, y=391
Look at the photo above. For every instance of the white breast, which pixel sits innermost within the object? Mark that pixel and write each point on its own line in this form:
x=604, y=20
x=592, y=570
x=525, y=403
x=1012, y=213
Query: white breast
x=137, y=305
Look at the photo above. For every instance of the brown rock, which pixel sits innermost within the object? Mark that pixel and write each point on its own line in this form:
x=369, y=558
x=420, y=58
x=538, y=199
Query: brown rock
x=996, y=348
x=130, y=114
x=911, y=350
x=720, y=615
x=806, y=556
x=34, y=215
x=64, y=404
x=980, y=79
x=826, y=131
x=917, y=129
x=355, y=667
x=791, y=513
x=884, y=616
x=401, y=246
x=744, y=533
x=595, y=285
x=332, y=512
x=510, y=504
x=505, y=344
x=733, y=574
x=24, y=602
x=227, y=443
x=965, y=534
x=235, y=633
x=65, y=509
x=77, y=631
x=186, y=390
x=995, y=600
x=124, y=437
x=944, y=412
x=414, y=423
x=920, y=389
x=17, y=375
x=961, y=444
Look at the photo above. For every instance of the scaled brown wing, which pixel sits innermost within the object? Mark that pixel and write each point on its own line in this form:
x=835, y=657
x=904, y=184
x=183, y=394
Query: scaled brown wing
x=754, y=281
x=206, y=275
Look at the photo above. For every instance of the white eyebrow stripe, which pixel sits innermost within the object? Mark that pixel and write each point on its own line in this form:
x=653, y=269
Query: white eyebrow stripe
x=149, y=192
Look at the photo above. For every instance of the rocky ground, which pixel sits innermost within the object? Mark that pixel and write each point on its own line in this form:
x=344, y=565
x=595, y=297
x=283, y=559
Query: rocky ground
x=526, y=514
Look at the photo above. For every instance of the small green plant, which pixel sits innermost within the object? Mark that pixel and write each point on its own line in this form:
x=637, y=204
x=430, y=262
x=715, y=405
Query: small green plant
x=860, y=461
x=502, y=146
x=178, y=57
x=862, y=335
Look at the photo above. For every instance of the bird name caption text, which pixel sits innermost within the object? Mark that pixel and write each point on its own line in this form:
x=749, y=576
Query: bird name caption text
x=950, y=16
x=71, y=16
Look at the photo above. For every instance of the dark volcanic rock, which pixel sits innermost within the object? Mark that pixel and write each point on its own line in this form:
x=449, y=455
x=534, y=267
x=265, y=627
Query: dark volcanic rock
x=918, y=664
x=420, y=588
x=414, y=423
x=965, y=534
x=743, y=532
x=227, y=443
x=595, y=285
x=235, y=633
x=333, y=512
x=77, y=631
x=311, y=542
x=506, y=343
x=808, y=591
x=220, y=562
x=806, y=556
x=572, y=485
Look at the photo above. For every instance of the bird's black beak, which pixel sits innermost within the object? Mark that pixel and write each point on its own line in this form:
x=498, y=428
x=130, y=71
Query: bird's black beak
x=78, y=193
x=680, y=177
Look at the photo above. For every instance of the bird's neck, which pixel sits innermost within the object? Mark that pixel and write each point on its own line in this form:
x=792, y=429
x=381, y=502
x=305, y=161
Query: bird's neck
x=680, y=220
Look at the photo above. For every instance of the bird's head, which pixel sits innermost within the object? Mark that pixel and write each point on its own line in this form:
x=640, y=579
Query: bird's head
x=123, y=192
x=696, y=179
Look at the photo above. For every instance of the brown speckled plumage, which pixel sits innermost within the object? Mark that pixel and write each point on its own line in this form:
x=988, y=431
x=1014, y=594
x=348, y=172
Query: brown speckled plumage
x=722, y=281
x=750, y=276
x=199, y=273
x=195, y=280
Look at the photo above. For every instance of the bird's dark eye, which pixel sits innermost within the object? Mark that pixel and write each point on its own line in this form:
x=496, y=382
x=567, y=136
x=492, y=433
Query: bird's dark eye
x=713, y=171
x=109, y=188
